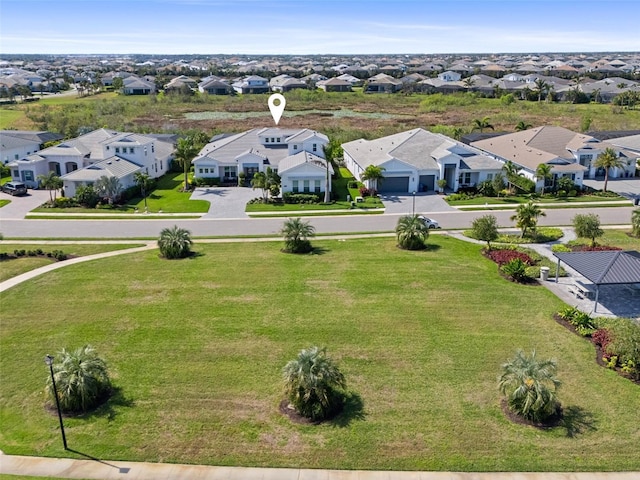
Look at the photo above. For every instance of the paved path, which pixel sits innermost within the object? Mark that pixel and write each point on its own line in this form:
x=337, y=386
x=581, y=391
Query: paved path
x=103, y=469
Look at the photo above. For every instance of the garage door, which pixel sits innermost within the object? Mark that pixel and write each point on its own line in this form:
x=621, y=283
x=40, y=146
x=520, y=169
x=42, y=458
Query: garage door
x=394, y=184
x=427, y=183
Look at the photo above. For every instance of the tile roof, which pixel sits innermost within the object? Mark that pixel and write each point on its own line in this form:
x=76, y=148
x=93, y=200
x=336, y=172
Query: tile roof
x=111, y=167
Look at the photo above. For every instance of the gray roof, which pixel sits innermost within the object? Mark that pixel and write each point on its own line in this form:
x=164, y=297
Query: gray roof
x=631, y=142
x=39, y=137
x=111, y=167
x=300, y=158
x=605, y=268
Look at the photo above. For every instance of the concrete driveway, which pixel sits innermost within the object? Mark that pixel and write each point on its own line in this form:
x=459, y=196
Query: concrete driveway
x=424, y=203
x=20, y=206
x=627, y=187
x=225, y=202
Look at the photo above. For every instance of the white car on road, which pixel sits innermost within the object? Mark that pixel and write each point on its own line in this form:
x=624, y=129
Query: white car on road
x=429, y=222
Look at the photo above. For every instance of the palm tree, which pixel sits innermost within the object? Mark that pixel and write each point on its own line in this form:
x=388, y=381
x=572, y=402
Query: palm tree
x=510, y=170
x=374, y=174
x=542, y=88
x=314, y=384
x=144, y=182
x=530, y=386
x=526, y=217
x=522, y=126
x=481, y=124
x=296, y=233
x=186, y=150
x=543, y=172
x=608, y=159
x=108, y=187
x=635, y=222
x=468, y=82
x=52, y=182
x=412, y=232
x=81, y=379
x=175, y=242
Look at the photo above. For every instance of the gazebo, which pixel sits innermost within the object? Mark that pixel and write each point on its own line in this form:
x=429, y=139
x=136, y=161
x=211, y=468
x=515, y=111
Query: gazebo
x=611, y=267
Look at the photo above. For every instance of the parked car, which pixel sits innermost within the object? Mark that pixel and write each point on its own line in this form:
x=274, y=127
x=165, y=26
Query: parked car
x=14, y=188
x=429, y=222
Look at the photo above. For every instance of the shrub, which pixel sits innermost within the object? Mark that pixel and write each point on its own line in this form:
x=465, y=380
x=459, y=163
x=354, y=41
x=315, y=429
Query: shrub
x=625, y=344
x=411, y=232
x=300, y=198
x=582, y=322
x=296, y=233
x=175, y=242
x=503, y=256
x=314, y=385
x=485, y=228
x=64, y=202
x=522, y=183
x=81, y=379
x=367, y=192
x=530, y=387
x=516, y=269
x=86, y=196
x=206, y=181
x=588, y=226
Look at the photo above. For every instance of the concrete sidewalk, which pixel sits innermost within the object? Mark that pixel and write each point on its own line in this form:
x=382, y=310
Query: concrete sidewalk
x=102, y=469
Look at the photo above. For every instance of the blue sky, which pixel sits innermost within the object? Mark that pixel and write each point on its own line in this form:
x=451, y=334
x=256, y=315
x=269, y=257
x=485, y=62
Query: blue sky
x=317, y=27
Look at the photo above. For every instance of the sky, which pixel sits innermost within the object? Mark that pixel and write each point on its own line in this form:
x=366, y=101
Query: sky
x=288, y=27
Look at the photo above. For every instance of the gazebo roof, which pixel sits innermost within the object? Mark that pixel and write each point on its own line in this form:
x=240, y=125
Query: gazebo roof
x=606, y=267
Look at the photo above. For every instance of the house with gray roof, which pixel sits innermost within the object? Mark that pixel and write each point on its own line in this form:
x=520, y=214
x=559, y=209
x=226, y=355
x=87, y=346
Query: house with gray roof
x=297, y=155
x=15, y=144
x=415, y=160
x=569, y=154
x=251, y=84
x=285, y=83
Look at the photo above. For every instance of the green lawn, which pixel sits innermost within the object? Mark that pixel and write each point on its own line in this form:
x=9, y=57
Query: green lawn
x=4, y=202
x=17, y=266
x=515, y=200
x=196, y=351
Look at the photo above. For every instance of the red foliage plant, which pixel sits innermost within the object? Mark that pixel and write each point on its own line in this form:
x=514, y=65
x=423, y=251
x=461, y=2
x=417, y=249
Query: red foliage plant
x=504, y=256
x=601, y=338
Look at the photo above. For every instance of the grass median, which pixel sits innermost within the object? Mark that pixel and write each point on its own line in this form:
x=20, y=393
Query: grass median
x=196, y=351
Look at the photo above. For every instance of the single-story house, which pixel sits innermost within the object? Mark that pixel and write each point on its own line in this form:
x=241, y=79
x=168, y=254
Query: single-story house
x=415, y=160
x=16, y=144
x=255, y=150
x=286, y=83
x=114, y=166
x=334, y=85
x=137, y=86
x=251, y=84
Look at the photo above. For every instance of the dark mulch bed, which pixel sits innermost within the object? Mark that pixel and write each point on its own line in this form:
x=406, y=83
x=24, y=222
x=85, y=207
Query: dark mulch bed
x=597, y=248
x=599, y=352
x=553, y=421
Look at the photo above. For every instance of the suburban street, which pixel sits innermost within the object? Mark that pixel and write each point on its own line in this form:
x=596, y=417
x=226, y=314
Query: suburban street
x=204, y=227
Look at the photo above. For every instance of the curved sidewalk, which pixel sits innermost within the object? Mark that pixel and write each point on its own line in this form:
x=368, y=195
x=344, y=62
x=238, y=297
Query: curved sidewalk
x=108, y=470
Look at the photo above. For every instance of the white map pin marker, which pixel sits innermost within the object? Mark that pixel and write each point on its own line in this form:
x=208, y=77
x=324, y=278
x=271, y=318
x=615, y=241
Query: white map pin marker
x=277, y=110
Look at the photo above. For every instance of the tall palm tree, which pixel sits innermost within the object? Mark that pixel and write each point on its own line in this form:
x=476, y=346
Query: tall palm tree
x=608, y=159
x=530, y=386
x=482, y=123
x=81, y=379
x=374, y=174
x=412, y=232
x=526, y=217
x=542, y=88
x=314, y=384
x=635, y=222
x=108, y=187
x=543, y=172
x=144, y=182
x=522, y=126
x=468, y=82
x=186, y=150
x=175, y=242
x=52, y=182
x=296, y=235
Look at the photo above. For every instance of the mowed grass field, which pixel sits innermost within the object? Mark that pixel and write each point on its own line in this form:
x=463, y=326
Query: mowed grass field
x=196, y=347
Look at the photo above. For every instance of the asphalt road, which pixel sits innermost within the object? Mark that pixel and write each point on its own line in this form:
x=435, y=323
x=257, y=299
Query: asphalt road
x=265, y=226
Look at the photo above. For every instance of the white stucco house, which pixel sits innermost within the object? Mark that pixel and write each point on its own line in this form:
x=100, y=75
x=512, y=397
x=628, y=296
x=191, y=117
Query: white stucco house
x=297, y=155
x=569, y=154
x=16, y=144
x=415, y=160
x=70, y=158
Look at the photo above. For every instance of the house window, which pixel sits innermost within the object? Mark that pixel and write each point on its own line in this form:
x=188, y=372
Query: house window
x=278, y=140
x=317, y=186
x=273, y=140
x=145, y=151
x=465, y=178
x=315, y=147
x=108, y=147
x=295, y=186
x=199, y=170
x=27, y=176
x=584, y=158
x=266, y=140
x=16, y=173
x=117, y=149
x=16, y=156
x=153, y=148
x=489, y=176
x=206, y=170
x=306, y=186
x=130, y=149
x=295, y=147
x=230, y=172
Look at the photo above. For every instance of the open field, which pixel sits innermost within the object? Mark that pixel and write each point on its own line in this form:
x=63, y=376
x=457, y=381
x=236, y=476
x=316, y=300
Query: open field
x=372, y=115
x=196, y=351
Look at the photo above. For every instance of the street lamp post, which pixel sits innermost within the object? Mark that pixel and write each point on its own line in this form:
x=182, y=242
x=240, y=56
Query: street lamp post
x=48, y=359
x=413, y=205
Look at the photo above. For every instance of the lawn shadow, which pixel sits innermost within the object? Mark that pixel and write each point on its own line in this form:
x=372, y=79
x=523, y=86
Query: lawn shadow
x=107, y=409
x=319, y=251
x=120, y=469
x=575, y=420
x=430, y=247
x=353, y=409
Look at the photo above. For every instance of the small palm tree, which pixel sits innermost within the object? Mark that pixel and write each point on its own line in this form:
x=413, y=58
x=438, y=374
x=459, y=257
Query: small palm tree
x=543, y=172
x=145, y=183
x=542, y=88
x=412, y=232
x=175, y=242
x=526, y=217
x=635, y=222
x=108, y=187
x=481, y=124
x=530, y=386
x=81, y=379
x=314, y=384
x=608, y=159
x=186, y=150
x=296, y=233
x=52, y=182
x=374, y=174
